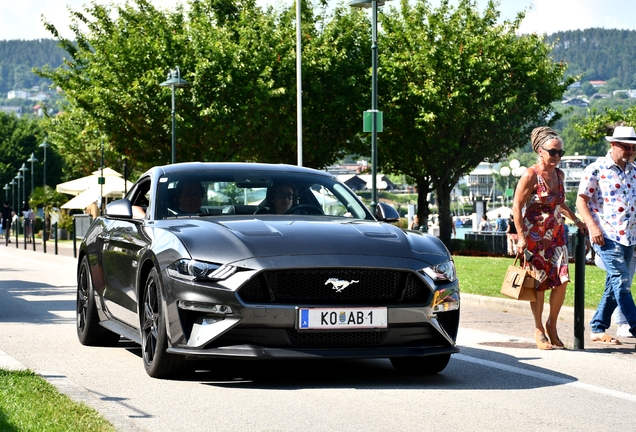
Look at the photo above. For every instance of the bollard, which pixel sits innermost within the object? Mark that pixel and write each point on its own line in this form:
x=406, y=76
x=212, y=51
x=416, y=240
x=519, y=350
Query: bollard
x=55, y=231
x=579, y=291
x=74, y=239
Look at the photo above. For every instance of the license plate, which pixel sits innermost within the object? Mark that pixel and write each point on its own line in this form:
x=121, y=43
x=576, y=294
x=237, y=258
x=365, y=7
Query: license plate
x=341, y=318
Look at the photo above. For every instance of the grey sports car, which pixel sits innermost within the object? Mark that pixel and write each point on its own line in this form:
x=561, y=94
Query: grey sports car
x=218, y=260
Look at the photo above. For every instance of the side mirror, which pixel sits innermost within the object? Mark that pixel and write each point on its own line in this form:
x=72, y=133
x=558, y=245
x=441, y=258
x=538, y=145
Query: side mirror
x=120, y=209
x=386, y=213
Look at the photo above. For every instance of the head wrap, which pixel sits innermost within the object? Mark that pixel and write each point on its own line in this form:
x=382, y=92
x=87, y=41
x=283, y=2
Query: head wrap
x=542, y=135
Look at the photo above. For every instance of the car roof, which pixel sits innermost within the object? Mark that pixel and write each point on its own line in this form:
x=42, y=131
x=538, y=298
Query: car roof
x=233, y=166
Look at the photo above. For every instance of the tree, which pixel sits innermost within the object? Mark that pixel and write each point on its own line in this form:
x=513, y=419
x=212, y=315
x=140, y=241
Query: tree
x=459, y=88
x=19, y=138
x=601, y=124
x=239, y=61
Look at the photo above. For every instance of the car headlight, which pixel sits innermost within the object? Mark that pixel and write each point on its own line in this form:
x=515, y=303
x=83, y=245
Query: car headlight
x=190, y=269
x=442, y=272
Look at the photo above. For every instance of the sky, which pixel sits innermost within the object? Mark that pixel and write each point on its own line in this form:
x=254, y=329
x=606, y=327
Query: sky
x=22, y=19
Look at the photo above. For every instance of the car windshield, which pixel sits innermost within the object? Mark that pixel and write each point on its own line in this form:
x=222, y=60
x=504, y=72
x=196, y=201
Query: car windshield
x=203, y=193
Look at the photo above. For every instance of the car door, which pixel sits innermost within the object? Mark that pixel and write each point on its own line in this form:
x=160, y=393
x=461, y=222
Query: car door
x=123, y=242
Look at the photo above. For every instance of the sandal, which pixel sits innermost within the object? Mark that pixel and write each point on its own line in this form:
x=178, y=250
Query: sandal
x=542, y=341
x=554, y=339
x=605, y=338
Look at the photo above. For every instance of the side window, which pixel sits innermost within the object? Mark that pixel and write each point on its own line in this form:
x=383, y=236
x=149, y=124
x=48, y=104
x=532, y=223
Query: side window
x=141, y=199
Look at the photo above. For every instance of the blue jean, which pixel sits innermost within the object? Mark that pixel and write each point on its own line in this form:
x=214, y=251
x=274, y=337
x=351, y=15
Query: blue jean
x=616, y=258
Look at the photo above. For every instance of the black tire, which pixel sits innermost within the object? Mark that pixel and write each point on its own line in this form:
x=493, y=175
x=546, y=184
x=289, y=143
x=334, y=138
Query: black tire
x=154, y=338
x=428, y=365
x=89, y=332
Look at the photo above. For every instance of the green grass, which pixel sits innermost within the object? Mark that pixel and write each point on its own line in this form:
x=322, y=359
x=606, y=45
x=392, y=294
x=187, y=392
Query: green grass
x=484, y=275
x=29, y=403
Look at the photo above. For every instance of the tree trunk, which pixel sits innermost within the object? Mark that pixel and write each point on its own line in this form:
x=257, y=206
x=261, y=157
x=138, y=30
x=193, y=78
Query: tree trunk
x=443, y=209
x=423, y=188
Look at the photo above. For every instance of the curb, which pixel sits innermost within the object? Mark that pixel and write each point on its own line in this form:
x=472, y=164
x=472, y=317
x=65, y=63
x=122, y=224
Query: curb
x=79, y=394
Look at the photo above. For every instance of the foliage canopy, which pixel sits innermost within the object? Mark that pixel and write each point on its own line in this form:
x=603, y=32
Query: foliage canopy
x=459, y=88
x=239, y=61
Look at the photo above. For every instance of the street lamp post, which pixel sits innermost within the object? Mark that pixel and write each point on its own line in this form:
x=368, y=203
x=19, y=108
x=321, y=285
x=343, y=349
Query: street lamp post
x=374, y=117
x=44, y=145
x=6, y=192
x=12, y=183
x=174, y=81
x=516, y=170
x=23, y=170
x=505, y=172
x=32, y=159
x=18, y=178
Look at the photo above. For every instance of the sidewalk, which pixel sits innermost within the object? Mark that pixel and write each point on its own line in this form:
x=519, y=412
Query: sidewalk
x=64, y=247
x=514, y=318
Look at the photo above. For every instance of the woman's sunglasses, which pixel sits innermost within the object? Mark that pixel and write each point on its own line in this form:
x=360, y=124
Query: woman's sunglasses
x=554, y=152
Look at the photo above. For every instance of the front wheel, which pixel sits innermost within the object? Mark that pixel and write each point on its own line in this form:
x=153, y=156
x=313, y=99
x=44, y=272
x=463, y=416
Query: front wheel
x=154, y=339
x=428, y=365
x=89, y=332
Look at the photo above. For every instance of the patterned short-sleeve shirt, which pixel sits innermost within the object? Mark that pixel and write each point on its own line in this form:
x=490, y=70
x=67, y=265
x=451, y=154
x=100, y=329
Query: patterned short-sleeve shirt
x=612, y=198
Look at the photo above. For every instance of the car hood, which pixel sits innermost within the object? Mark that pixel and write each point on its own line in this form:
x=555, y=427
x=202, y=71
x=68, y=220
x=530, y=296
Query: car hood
x=233, y=239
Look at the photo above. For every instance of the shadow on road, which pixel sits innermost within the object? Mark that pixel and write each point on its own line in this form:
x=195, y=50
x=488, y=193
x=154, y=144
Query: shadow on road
x=19, y=299
x=481, y=374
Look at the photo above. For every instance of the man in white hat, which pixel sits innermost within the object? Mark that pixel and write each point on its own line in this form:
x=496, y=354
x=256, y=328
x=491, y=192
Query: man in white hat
x=607, y=203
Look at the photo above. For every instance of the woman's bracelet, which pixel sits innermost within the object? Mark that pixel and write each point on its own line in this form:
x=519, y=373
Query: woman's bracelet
x=577, y=221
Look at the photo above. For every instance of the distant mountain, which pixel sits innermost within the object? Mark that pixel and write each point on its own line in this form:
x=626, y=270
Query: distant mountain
x=19, y=57
x=598, y=54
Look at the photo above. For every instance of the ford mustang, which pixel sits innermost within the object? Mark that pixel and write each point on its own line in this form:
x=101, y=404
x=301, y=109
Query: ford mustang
x=202, y=261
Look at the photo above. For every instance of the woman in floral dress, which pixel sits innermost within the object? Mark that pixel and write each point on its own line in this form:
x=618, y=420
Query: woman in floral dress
x=538, y=206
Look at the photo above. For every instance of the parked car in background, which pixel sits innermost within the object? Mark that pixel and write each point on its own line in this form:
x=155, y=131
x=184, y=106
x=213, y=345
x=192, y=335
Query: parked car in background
x=197, y=262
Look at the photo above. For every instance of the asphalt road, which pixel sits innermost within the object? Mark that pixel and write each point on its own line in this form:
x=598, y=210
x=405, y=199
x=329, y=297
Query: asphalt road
x=499, y=381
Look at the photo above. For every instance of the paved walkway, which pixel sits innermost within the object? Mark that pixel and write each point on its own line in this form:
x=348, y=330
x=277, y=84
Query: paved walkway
x=63, y=247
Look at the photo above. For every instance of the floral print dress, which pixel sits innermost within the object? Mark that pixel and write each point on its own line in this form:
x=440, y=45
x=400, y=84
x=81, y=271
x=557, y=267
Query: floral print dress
x=545, y=234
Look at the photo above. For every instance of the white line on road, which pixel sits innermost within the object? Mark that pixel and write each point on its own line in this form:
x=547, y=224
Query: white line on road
x=547, y=377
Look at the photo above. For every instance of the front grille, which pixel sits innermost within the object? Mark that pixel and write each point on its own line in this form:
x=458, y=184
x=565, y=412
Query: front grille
x=311, y=286
x=351, y=339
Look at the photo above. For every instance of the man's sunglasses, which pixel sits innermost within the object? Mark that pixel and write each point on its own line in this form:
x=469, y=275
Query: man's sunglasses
x=554, y=152
x=625, y=147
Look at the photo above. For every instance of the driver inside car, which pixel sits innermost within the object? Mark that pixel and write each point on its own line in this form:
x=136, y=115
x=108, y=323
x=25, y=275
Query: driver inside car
x=280, y=198
x=190, y=194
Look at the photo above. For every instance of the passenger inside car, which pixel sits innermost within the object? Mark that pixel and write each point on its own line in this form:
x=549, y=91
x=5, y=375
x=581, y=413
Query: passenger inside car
x=279, y=199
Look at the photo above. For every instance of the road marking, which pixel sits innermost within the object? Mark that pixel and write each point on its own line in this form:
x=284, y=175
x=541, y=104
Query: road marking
x=547, y=377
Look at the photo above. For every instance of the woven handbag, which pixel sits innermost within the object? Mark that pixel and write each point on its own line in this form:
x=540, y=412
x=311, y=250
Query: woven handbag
x=519, y=282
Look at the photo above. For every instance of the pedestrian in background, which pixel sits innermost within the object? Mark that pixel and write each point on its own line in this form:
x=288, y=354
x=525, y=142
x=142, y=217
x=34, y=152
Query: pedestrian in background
x=484, y=225
x=511, y=233
x=606, y=199
x=6, y=219
x=501, y=224
x=538, y=205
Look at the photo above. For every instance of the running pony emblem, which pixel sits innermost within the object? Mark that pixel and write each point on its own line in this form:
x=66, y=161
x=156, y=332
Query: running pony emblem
x=338, y=284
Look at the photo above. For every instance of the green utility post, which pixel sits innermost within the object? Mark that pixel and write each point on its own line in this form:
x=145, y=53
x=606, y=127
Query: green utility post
x=374, y=117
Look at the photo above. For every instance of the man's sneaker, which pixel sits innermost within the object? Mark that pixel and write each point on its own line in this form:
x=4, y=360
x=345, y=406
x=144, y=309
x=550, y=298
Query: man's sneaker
x=623, y=331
